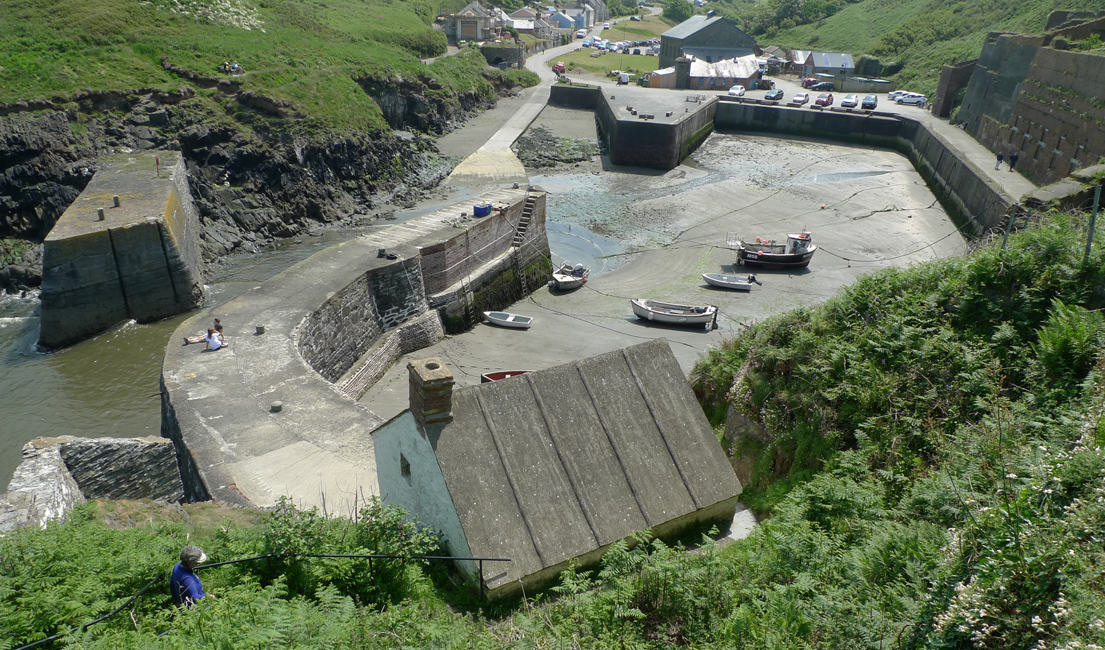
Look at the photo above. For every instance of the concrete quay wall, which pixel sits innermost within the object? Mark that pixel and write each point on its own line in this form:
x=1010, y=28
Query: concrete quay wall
x=661, y=141
x=973, y=201
x=142, y=261
x=344, y=315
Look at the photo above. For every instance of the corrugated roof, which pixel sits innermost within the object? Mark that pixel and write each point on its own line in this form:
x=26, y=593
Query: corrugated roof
x=739, y=68
x=716, y=54
x=799, y=56
x=690, y=26
x=833, y=60
x=553, y=464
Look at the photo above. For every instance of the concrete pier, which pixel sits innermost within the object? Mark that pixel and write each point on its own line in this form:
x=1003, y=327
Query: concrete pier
x=314, y=337
x=128, y=247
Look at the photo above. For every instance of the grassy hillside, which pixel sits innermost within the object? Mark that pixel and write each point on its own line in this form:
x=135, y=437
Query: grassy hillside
x=934, y=476
x=915, y=38
x=309, y=53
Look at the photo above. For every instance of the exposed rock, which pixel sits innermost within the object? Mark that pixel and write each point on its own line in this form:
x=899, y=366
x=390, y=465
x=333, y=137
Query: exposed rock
x=58, y=473
x=41, y=490
x=124, y=468
x=539, y=148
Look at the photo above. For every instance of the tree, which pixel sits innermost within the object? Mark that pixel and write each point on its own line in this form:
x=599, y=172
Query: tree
x=678, y=10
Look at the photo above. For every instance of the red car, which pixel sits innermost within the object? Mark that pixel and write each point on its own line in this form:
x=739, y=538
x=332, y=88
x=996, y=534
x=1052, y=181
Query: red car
x=824, y=99
x=559, y=68
x=810, y=81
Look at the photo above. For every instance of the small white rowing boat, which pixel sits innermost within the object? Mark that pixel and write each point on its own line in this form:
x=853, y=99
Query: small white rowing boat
x=738, y=282
x=506, y=319
x=666, y=312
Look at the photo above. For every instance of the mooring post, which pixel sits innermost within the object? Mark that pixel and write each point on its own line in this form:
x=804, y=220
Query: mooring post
x=1093, y=218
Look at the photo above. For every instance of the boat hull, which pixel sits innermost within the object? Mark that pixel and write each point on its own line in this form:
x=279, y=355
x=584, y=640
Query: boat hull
x=562, y=282
x=507, y=319
x=727, y=281
x=662, y=312
x=749, y=257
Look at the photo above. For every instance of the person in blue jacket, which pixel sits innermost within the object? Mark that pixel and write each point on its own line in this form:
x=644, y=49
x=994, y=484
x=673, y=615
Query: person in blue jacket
x=184, y=584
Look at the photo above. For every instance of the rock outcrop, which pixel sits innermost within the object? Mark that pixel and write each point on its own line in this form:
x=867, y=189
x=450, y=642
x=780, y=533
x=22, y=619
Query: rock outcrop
x=250, y=185
x=58, y=473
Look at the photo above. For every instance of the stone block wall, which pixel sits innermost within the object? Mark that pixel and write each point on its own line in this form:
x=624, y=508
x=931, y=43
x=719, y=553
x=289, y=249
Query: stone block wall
x=648, y=143
x=195, y=489
x=953, y=78
x=332, y=338
x=41, y=490
x=445, y=263
x=1056, y=124
x=575, y=96
x=141, y=262
x=496, y=54
x=422, y=332
x=996, y=81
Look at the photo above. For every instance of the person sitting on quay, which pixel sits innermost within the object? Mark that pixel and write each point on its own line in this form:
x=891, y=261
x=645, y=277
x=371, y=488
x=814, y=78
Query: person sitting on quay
x=214, y=340
x=184, y=585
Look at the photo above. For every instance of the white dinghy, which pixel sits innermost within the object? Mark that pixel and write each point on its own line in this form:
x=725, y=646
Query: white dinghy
x=507, y=319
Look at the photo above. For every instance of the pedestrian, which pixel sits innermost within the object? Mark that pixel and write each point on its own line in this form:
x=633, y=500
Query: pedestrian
x=1013, y=161
x=184, y=585
x=998, y=166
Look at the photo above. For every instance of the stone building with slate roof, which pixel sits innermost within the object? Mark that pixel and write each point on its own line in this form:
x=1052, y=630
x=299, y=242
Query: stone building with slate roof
x=709, y=38
x=555, y=465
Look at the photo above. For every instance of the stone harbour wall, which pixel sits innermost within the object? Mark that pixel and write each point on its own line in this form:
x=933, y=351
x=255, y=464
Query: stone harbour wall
x=58, y=473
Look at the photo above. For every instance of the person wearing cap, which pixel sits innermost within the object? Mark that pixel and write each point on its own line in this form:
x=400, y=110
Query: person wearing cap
x=184, y=584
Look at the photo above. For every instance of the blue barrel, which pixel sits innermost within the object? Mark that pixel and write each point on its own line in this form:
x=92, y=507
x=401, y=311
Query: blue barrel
x=481, y=210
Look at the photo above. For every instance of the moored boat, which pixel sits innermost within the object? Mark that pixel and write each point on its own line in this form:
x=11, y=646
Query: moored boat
x=666, y=312
x=500, y=375
x=738, y=282
x=795, y=253
x=569, y=277
x=507, y=319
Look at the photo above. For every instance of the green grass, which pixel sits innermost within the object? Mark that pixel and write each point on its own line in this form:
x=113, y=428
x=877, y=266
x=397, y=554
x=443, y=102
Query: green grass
x=307, y=53
x=582, y=60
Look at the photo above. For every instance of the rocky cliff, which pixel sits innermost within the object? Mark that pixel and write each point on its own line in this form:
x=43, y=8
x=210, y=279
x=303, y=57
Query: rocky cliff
x=274, y=178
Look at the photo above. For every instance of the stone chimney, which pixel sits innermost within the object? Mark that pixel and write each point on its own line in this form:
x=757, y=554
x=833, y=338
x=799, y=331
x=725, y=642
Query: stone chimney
x=431, y=390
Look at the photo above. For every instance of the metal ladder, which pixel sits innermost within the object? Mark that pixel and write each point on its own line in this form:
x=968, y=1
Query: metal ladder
x=524, y=220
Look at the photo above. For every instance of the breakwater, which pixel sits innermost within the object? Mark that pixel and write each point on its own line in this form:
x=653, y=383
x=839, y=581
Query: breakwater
x=274, y=413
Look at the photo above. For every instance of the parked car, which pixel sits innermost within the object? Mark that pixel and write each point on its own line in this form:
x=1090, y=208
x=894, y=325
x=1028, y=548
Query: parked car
x=823, y=87
x=559, y=67
x=809, y=81
x=737, y=91
x=636, y=50
x=801, y=98
x=635, y=19
x=606, y=25
x=587, y=43
x=894, y=94
x=911, y=98
x=850, y=101
x=870, y=103
x=581, y=33
x=824, y=99
x=774, y=95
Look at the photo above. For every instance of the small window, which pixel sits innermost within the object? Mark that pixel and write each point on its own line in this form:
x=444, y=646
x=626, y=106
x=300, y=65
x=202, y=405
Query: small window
x=405, y=467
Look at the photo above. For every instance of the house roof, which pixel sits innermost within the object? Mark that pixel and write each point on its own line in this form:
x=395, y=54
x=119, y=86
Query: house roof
x=716, y=54
x=524, y=12
x=554, y=464
x=832, y=60
x=474, y=9
x=523, y=25
x=799, y=56
x=690, y=26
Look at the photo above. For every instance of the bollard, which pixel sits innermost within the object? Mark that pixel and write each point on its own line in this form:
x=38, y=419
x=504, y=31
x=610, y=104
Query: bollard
x=116, y=200
x=381, y=252
x=276, y=407
x=99, y=214
x=260, y=330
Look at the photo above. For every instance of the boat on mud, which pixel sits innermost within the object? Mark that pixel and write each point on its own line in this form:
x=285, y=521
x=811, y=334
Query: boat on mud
x=795, y=253
x=499, y=375
x=569, y=277
x=507, y=319
x=666, y=312
x=738, y=282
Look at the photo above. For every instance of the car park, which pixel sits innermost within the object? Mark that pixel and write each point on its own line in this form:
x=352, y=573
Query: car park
x=774, y=95
x=823, y=87
x=910, y=98
x=850, y=101
x=824, y=99
x=801, y=98
x=870, y=103
x=737, y=91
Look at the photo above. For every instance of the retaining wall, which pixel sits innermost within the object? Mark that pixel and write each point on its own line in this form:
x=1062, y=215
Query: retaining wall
x=575, y=96
x=663, y=144
x=975, y=204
